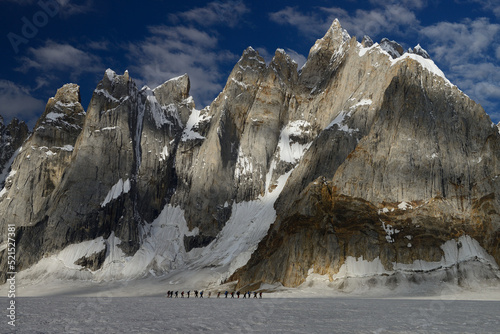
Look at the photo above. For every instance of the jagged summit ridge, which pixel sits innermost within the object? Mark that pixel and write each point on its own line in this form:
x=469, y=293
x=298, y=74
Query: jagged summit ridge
x=287, y=173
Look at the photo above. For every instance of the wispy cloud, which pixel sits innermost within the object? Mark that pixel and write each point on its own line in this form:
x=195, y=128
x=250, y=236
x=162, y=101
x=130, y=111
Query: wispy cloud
x=226, y=13
x=454, y=42
x=311, y=24
x=391, y=16
x=16, y=101
x=172, y=51
x=188, y=45
x=55, y=56
x=468, y=52
x=410, y=4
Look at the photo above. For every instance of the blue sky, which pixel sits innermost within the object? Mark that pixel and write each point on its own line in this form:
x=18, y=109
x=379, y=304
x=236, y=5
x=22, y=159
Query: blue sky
x=47, y=43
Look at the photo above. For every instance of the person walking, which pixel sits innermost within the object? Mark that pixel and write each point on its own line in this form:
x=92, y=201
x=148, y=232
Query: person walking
x=238, y=294
x=218, y=294
x=260, y=295
x=255, y=294
x=176, y=294
x=201, y=294
x=232, y=294
x=188, y=293
x=226, y=293
x=182, y=294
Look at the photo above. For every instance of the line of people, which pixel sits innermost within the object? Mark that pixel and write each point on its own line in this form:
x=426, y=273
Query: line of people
x=248, y=294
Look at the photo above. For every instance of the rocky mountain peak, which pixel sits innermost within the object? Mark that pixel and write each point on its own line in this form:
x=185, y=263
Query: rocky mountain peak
x=12, y=137
x=251, y=58
x=284, y=65
x=173, y=91
x=114, y=86
x=326, y=53
x=366, y=42
x=418, y=50
x=17, y=129
x=64, y=109
x=67, y=94
x=333, y=39
x=336, y=31
x=393, y=48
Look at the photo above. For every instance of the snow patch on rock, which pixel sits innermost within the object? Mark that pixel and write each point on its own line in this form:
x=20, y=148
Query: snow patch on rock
x=339, y=122
x=427, y=64
x=53, y=116
x=454, y=252
x=164, y=153
x=195, y=118
x=359, y=267
x=290, y=150
x=121, y=187
x=162, y=249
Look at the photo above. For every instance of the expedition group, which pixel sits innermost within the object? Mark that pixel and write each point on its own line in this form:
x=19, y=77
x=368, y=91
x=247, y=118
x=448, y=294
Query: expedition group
x=248, y=294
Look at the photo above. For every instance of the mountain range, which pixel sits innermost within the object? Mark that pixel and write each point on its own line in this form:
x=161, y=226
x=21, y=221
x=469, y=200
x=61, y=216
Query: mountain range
x=366, y=163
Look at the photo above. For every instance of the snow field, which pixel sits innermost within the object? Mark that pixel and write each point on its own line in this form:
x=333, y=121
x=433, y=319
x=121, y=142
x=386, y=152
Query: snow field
x=268, y=315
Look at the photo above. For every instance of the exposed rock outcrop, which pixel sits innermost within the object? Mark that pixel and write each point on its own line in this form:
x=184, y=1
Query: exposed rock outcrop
x=12, y=137
x=418, y=50
x=393, y=48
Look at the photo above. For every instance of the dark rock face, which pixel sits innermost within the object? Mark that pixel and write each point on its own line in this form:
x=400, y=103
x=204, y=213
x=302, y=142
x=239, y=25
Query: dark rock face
x=418, y=50
x=367, y=41
x=92, y=262
x=12, y=137
x=80, y=158
x=359, y=157
x=391, y=47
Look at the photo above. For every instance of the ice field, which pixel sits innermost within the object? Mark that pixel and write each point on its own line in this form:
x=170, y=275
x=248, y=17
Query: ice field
x=267, y=315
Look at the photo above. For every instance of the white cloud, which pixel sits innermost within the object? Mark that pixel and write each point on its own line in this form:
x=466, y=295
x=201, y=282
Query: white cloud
x=468, y=52
x=172, y=51
x=16, y=101
x=456, y=42
x=413, y=4
x=311, y=24
x=391, y=17
x=60, y=57
x=394, y=18
x=189, y=47
x=226, y=13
